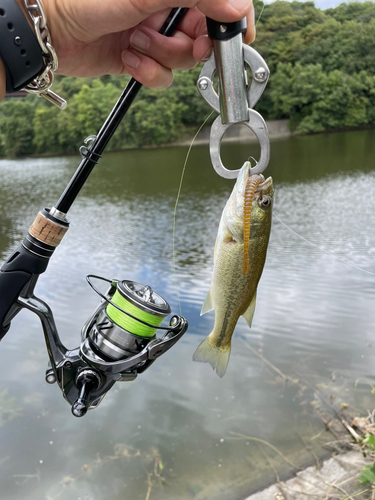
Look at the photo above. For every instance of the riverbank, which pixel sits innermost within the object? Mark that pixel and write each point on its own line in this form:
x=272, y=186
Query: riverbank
x=337, y=478
x=240, y=134
x=352, y=449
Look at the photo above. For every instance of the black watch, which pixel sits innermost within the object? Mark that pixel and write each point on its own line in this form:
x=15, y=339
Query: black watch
x=19, y=48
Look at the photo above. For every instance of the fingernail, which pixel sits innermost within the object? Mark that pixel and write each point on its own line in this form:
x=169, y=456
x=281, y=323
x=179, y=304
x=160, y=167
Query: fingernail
x=130, y=59
x=207, y=54
x=240, y=5
x=140, y=40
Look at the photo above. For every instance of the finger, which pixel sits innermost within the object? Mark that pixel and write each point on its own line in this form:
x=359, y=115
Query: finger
x=2, y=81
x=194, y=24
x=146, y=70
x=251, y=30
x=173, y=53
x=225, y=10
x=102, y=18
x=203, y=45
x=202, y=48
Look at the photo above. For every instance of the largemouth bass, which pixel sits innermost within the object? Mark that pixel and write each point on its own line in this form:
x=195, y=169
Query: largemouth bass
x=239, y=257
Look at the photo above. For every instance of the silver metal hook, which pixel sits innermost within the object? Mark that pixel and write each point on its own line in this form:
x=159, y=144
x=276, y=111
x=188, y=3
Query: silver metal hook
x=257, y=124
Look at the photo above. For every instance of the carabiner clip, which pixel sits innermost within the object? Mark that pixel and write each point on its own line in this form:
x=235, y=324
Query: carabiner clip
x=235, y=102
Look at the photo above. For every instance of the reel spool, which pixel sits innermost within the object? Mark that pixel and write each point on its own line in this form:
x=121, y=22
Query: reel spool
x=129, y=320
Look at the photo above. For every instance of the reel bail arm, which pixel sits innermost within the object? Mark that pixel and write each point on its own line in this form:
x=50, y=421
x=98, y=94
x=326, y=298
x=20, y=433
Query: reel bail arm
x=235, y=98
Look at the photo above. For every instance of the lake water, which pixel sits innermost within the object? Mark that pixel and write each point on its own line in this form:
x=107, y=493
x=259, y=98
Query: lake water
x=179, y=431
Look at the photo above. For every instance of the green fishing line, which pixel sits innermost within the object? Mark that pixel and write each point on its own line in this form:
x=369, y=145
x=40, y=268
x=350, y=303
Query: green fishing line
x=129, y=324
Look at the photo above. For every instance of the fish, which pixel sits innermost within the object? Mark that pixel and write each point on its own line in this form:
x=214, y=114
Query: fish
x=239, y=258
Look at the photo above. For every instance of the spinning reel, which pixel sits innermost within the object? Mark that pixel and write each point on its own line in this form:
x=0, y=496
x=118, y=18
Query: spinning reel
x=117, y=342
x=119, y=339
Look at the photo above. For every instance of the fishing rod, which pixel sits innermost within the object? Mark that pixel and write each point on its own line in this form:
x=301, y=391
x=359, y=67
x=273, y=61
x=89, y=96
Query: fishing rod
x=118, y=341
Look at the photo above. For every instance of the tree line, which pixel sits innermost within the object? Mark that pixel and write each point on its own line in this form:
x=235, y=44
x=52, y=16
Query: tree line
x=322, y=67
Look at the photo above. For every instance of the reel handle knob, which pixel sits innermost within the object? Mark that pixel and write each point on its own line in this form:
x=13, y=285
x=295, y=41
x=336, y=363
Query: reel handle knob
x=87, y=381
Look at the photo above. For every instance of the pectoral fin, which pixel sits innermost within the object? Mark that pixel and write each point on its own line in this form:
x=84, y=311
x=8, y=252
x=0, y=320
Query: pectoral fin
x=207, y=306
x=249, y=313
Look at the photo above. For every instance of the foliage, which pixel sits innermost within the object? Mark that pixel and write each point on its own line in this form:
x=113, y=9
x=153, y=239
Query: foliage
x=340, y=39
x=367, y=475
x=322, y=67
x=16, y=126
x=315, y=100
x=369, y=441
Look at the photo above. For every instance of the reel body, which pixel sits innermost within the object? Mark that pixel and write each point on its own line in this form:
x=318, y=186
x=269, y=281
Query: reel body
x=108, y=352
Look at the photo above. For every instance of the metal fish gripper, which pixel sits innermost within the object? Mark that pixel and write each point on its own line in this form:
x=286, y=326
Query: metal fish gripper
x=235, y=98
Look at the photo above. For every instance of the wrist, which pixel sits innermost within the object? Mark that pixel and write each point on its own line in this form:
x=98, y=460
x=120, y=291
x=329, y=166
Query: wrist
x=2, y=69
x=2, y=80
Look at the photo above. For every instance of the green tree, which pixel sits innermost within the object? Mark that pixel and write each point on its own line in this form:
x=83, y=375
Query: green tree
x=156, y=119
x=16, y=126
x=317, y=101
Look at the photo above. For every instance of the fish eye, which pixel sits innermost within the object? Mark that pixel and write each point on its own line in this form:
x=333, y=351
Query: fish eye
x=264, y=201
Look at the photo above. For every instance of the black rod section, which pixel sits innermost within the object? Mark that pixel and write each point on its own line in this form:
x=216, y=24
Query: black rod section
x=94, y=152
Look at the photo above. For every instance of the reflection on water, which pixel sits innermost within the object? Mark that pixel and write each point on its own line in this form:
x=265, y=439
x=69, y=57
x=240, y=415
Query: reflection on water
x=180, y=432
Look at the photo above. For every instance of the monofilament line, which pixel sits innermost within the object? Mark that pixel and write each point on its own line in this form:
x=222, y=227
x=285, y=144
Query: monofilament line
x=321, y=249
x=175, y=206
x=260, y=15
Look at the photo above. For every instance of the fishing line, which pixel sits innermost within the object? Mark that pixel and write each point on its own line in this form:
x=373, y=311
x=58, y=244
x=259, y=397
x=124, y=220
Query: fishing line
x=127, y=322
x=261, y=12
x=321, y=249
x=175, y=207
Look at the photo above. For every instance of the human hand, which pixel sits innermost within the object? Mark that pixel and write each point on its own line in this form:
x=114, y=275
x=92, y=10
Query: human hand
x=96, y=37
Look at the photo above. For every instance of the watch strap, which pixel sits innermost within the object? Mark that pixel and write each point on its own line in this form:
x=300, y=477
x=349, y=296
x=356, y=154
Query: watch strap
x=19, y=47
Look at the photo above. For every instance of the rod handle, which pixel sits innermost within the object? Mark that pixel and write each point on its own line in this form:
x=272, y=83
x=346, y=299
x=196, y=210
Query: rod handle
x=18, y=276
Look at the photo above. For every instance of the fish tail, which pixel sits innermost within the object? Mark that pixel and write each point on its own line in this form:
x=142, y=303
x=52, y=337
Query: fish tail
x=217, y=357
x=252, y=182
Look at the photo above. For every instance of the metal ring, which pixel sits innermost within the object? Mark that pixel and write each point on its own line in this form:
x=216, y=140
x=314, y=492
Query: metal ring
x=257, y=124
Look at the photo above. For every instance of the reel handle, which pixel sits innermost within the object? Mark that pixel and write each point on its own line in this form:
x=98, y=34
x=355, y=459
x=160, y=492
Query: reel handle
x=87, y=381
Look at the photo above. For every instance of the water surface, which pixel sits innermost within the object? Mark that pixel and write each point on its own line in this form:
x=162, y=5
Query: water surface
x=179, y=431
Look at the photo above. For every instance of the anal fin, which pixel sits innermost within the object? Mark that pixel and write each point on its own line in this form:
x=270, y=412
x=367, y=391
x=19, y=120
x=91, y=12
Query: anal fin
x=249, y=313
x=207, y=305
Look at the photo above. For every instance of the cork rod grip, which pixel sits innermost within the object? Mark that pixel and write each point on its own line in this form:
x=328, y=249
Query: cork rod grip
x=47, y=231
